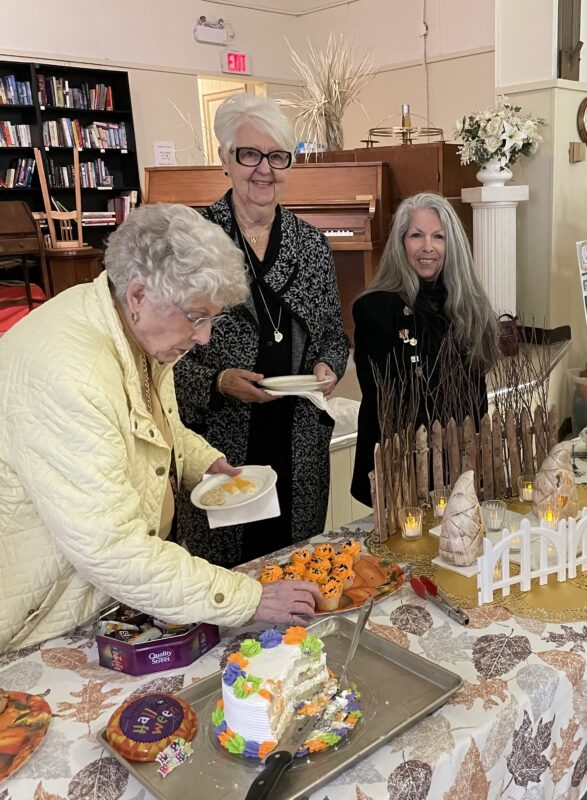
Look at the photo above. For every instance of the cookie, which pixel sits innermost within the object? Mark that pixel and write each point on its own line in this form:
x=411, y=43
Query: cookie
x=213, y=497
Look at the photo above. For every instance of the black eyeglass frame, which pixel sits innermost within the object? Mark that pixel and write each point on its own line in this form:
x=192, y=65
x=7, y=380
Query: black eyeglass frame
x=237, y=151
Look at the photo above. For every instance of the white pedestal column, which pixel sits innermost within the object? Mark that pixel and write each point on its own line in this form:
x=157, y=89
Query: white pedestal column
x=494, y=240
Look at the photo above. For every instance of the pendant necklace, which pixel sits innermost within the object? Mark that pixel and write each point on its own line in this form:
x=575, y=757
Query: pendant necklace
x=277, y=334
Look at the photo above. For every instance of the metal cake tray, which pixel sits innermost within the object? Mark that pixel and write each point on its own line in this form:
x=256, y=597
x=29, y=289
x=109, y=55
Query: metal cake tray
x=398, y=689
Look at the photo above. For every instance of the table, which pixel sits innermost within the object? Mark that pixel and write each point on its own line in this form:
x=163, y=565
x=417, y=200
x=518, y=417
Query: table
x=517, y=729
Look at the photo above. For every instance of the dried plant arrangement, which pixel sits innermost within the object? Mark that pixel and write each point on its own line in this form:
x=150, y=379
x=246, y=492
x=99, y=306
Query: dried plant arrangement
x=196, y=148
x=332, y=79
x=458, y=434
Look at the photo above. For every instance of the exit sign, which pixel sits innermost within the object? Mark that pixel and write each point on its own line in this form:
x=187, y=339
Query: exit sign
x=236, y=63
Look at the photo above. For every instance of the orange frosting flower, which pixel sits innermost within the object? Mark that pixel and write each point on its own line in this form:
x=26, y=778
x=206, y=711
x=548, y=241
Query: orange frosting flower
x=296, y=568
x=316, y=745
x=266, y=747
x=324, y=550
x=302, y=556
x=239, y=659
x=267, y=695
x=342, y=558
x=220, y=703
x=311, y=709
x=295, y=635
x=316, y=575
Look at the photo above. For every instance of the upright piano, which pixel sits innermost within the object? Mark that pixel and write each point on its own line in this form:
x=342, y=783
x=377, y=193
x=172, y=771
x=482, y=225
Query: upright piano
x=348, y=202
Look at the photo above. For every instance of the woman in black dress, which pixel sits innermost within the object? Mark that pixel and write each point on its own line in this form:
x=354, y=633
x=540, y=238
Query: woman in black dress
x=425, y=290
x=291, y=324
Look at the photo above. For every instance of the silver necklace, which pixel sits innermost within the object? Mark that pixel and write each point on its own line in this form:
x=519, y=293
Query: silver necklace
x=277, y=334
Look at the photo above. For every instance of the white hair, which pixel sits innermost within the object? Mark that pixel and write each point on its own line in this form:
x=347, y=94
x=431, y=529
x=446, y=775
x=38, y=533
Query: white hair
x=177, y=255
x=261, y=112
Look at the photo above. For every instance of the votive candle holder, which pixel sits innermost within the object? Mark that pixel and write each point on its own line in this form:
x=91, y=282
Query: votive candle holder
x=439, y=499
x=525, y=488
x=493, y=514
x=410, y=520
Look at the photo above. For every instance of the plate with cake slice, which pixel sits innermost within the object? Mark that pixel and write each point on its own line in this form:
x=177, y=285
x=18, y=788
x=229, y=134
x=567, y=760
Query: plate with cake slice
x=345, y=576
x=220, y=492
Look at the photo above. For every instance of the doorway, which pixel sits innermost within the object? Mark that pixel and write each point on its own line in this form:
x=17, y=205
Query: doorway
x=213, y=92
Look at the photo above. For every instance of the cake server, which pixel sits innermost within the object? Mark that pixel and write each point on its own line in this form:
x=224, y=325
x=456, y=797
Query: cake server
x=280, y=759
x=364, y=614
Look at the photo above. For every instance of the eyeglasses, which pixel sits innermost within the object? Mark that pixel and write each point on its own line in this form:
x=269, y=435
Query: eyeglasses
x=197, y=322
x=250, y=157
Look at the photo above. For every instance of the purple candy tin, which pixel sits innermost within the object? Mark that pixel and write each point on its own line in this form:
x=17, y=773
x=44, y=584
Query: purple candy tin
x=175, y=651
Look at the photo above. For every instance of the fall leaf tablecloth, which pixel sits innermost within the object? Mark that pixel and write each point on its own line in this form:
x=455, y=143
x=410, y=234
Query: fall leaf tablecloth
x=517, y=729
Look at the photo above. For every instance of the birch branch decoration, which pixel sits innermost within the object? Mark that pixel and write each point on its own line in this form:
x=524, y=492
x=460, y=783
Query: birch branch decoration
x=332, y=79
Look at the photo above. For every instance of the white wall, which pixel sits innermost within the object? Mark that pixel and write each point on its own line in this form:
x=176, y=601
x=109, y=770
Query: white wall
x=525, y=41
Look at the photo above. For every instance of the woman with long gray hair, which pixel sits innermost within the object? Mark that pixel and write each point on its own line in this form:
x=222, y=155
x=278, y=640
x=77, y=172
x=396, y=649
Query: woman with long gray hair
x=425, y=293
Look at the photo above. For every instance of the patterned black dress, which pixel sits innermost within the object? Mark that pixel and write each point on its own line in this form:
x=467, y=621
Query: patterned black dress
x=296, y=276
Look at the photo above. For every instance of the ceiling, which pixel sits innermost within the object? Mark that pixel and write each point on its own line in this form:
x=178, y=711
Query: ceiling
x=296, y=8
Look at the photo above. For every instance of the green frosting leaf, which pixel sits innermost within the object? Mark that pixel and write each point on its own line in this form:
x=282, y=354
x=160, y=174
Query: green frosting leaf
x=217, y=716
x=236, y=744
x=250, y=648
x=355, y=715
x=244, y=687
x=330, y=738
x=311, y=646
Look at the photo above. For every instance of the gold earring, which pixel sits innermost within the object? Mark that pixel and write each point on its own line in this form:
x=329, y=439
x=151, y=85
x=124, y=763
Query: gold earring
x=134, y=318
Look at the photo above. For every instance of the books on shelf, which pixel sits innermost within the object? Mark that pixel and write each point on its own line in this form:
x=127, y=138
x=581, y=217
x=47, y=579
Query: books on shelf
x=19, y=174
x=57, y=92
x=12, y=135
x=123, y=205
x=15, y=93
x=93, y=175
x=99, y=135
x=98, y=218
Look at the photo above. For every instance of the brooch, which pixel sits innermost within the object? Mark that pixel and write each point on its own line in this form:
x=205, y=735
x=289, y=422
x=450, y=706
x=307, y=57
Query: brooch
x=404, y=335
x=414, y=359
x=407, y=311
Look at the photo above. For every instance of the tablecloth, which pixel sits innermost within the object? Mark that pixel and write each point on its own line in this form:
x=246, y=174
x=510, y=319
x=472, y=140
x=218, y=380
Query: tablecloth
x=517, y=729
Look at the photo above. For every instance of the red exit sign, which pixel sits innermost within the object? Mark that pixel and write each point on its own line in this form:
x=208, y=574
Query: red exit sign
x=236, y=63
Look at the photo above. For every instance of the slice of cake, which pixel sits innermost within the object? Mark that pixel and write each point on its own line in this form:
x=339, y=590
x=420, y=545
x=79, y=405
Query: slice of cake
x=269, y=680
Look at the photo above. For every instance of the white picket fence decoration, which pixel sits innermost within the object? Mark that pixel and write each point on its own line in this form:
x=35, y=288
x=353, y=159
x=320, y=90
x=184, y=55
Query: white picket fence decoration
x=565, y=547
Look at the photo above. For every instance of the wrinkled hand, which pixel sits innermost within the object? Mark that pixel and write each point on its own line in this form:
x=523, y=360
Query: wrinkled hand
x=239, y=383
x=322, y=371
x=222, y=467
x=290, y=602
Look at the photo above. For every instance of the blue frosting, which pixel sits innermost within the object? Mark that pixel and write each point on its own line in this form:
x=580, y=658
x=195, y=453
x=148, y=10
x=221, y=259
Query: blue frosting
x=342, y=732
x=231, y=673
x=303, y=751
x=220, y=728
x=270, y=638
x=353, y=705
x=251, y=750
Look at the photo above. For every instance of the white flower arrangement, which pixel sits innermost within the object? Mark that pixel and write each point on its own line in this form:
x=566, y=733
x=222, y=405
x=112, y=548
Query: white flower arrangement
x=500, y=133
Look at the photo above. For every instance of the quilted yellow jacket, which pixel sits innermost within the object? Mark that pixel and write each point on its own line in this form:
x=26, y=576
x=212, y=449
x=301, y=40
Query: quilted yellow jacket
x=83, y=470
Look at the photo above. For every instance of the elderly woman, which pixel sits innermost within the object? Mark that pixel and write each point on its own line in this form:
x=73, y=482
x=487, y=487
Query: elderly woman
x=291, y=324
x=92, y=449
x=425, y=290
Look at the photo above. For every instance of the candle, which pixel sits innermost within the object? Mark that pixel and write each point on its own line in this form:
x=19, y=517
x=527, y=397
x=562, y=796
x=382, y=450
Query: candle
x=439, y=500
x=525, y=488
x=439, y=510
x=548, y=516
x=411, y=522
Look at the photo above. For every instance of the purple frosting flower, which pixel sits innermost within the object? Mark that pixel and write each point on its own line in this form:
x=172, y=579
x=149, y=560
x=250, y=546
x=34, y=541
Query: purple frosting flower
x=303, y=751
x=342, y=732
x=270, y=638
x=353, y=705
x=251, y=750
x=232, y=672
x=220, y=728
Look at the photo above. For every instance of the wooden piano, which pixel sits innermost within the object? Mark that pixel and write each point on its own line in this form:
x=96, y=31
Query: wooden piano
x=348, y=202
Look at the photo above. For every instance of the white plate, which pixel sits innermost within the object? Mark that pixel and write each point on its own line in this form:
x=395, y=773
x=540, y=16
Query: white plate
x=294, y=383
x=264, y=479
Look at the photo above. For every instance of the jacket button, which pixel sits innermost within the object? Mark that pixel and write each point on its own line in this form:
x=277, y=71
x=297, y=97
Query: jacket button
x=152, y=532
x=152, y=433
x=180, y=455
x=160, y=471
x=219, y=597
x=136, y=424
x=170, y=411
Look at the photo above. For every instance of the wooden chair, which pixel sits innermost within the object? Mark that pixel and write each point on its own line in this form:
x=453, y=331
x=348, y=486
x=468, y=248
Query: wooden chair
x=21, y=246
x=66, y=240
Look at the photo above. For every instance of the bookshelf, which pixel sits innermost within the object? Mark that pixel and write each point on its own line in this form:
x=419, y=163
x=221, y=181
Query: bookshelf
x=56, y=107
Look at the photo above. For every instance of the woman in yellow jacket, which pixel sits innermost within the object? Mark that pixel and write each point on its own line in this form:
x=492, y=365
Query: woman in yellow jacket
x=92, y=449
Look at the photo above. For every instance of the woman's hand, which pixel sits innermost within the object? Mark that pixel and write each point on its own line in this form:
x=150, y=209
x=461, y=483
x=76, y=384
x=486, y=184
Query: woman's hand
x=290, y=602
x=239, y=383
x=222, y=467
x=322, y=371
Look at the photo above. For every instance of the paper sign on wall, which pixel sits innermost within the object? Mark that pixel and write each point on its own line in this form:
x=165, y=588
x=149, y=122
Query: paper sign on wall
x=164, y=154
x=582, y=259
